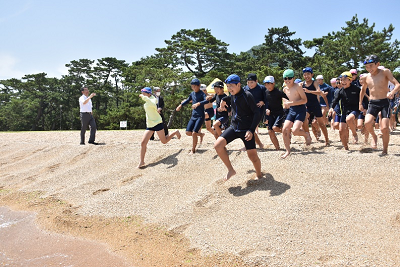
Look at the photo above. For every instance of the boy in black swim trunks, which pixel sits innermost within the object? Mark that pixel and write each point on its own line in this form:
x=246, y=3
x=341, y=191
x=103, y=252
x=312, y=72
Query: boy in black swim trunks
x=275, y=113
x=245, y=118
x=377, y=82
x=221, y=116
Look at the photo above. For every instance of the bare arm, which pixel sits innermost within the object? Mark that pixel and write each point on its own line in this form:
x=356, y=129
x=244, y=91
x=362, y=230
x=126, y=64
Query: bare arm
x=362, y=93
x=393, y=80
x=87, y=99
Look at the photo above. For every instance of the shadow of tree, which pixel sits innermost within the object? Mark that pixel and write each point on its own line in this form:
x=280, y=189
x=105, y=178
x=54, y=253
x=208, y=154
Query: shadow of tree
x=267, y=182
x=171, y=160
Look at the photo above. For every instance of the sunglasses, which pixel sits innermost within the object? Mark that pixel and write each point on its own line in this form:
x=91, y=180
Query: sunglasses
x=369, y=61
x=288, y=78
x=267, y=83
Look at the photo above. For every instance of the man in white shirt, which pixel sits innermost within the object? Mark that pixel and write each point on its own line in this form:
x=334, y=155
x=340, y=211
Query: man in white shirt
x=85, y=104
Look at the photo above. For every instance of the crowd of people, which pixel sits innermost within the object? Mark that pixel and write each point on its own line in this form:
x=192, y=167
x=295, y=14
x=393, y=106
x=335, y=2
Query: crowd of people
x=348, y=104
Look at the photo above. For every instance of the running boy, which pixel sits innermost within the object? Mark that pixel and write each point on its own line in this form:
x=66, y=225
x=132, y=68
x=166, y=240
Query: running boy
x=349, y=94
x=245, y=118
x=377, y=82
x=275, y=113
x=196, y=121
x=297, y=111
x=312, y=90
x=221, y=116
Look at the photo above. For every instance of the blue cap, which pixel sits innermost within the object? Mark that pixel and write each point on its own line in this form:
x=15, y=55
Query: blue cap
x=195, y=81
x=308, y=69
x=297, y=81
x=146, y=90
x=233, y=78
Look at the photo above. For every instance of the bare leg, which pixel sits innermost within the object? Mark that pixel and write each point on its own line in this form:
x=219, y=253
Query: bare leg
x=208, y=126
x=344, y=135
x=316, y=129
x=165, y=139
x=322, y=124
x=194, y=137
x=143, y=146
x=258, y=141
x=385, y=129
x=252, y=154
x=219, y=146
x=286, y=137
x=217, y=127
x=351, y=122
x=369, y=128
x=273, y=138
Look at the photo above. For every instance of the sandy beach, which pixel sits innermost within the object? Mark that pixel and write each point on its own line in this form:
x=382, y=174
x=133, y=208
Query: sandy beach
x=321, y=206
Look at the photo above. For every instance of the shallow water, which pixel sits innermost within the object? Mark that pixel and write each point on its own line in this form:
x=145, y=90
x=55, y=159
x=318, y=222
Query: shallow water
x=22, y=243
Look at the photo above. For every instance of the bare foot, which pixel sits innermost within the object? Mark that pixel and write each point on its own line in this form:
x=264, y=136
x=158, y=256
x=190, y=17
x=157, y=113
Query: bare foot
x=141, y=165
x=230, y=174
x=308, y=139
x=384, y=153
x=201, y=138
x=345, y=148
x=178, y=134
x=191, y=152
x=283, y=156
x=261, y=146
x=374, y=141
x=327, y=143
x=355, y=138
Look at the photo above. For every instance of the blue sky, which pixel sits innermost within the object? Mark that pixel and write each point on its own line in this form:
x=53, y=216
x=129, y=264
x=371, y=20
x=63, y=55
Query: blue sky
x=44, y=35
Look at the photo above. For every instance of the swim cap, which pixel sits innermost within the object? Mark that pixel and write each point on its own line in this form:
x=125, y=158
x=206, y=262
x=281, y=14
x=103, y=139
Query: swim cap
x=308, y=69
x=288, y=73
x=346, y=74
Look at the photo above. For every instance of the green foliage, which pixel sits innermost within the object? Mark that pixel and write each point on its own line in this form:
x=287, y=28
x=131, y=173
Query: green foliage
x=36, y=102
x=197, y=50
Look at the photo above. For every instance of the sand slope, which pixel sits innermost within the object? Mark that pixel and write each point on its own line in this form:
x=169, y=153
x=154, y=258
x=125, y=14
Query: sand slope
x=321, y=206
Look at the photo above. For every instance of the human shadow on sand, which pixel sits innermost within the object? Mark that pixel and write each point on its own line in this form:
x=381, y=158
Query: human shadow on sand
x=267, y=182
x=171, y=160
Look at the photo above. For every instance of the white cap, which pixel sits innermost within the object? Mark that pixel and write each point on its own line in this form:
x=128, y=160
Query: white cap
x=269, y=79
x=319, y=77
x=203, y=86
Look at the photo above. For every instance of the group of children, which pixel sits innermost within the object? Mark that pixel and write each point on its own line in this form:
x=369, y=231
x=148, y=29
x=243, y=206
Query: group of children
x=287, y=111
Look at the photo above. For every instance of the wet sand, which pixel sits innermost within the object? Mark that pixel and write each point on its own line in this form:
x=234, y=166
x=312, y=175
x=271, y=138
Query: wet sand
x=22, y=243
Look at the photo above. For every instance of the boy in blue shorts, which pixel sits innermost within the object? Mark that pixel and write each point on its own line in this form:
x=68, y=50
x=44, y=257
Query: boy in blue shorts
x=312, y=90
x=297, y=111
x=196, y=121
x=245, y=118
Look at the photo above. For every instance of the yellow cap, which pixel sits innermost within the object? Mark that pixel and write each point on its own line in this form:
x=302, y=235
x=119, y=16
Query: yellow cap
x=346, y=74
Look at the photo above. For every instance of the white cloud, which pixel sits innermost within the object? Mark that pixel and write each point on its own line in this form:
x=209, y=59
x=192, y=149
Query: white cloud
x=8, y=67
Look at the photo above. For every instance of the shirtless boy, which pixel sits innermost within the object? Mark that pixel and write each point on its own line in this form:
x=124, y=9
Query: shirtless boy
x=377, y=82
x=245, y=118
x=297, y=111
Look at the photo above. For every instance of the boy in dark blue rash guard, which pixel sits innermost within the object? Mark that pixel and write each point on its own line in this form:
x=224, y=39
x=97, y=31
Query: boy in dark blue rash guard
x=258, y=92
x=312, y=90
x=196, y=121
x=245, y=118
